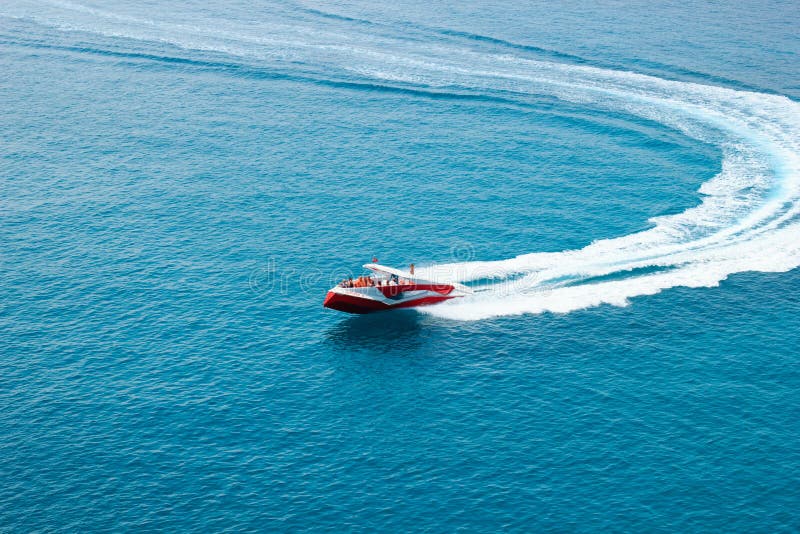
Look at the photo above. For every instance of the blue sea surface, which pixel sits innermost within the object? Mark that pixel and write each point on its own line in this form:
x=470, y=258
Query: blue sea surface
x=181, y=183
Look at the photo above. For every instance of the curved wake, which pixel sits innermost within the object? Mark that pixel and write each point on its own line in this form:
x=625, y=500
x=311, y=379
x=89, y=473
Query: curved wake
x=748, y=219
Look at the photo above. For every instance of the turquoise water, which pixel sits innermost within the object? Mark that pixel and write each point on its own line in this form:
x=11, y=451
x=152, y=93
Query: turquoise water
x=181, y=183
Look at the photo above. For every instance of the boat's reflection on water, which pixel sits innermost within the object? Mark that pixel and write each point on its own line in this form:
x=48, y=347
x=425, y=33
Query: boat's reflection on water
x=397, y=330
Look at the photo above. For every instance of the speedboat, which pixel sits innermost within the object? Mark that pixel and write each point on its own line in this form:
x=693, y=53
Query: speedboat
x=387, y=288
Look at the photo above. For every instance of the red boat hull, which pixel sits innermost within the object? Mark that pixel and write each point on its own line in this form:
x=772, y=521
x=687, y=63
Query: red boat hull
x=353, y=304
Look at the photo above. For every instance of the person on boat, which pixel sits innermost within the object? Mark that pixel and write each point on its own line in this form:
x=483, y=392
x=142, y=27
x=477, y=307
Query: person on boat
x=411, y=268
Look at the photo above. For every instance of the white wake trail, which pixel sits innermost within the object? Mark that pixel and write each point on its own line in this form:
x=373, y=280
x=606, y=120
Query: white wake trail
x=748, y=220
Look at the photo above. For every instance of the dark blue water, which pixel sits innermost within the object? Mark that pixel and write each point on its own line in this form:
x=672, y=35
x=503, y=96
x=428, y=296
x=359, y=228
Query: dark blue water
x=181, y=184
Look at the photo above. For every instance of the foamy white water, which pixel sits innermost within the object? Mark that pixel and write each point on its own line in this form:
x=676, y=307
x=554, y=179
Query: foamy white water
x=747, y=221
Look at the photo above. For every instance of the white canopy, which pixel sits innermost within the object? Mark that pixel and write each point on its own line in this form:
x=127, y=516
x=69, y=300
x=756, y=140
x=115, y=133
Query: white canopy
x=405, y=274
x=389, y=270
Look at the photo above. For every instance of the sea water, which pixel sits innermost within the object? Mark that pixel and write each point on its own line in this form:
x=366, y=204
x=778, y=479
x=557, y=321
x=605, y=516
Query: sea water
x=182, y=182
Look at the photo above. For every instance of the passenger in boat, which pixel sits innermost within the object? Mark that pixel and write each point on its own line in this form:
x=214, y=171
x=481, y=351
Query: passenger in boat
x=411, y=268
